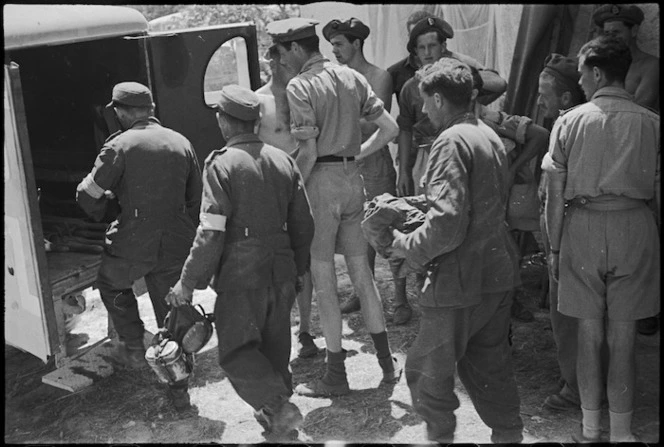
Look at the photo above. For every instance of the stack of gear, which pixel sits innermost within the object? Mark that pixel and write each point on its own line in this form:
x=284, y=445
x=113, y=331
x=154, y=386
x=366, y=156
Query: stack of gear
x=386, y=212
x=171, y=352
x=67, y=234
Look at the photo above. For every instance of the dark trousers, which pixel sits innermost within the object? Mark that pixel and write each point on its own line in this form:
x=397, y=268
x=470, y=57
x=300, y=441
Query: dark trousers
x=472, y=340
x=114, y=281
x=253, y=329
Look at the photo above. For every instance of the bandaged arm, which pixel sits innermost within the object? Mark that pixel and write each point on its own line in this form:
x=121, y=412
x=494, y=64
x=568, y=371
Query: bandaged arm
x=95, y=190
x=205, y=254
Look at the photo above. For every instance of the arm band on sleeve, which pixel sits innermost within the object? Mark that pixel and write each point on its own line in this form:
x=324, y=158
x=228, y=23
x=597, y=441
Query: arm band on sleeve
x=214, y=222
x=89, y=186
x=304, y=132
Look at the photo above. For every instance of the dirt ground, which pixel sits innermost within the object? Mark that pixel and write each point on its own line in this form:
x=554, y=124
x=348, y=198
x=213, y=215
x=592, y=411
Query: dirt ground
x=130, y=407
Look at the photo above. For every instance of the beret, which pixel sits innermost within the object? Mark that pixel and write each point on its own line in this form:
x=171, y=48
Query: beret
x=288, y=30
x=239, y=102
x=131, y=94
x=563, y=68
x=628, y=13
x=427, y=25
x=351, y=27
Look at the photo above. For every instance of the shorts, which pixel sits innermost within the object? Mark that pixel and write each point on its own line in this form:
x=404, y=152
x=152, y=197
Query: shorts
x=609, y=264
x=336, y=195
x=378, y=174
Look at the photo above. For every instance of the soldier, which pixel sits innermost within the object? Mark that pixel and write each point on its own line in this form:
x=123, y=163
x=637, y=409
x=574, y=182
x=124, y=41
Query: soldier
x=642, y=80
x=347, y=39
x=471, y=265
x=274, y=130
x=326, y=103
x=602, y=217
x=155, y=175
x=254, y=237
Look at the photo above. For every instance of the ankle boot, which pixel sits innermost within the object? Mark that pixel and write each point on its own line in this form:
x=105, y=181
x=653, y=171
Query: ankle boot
x=333, y=383
x=391, y=369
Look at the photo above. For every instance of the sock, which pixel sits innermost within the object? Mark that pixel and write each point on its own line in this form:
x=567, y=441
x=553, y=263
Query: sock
x=381, y=344
x=621, y=427
x=591, y=426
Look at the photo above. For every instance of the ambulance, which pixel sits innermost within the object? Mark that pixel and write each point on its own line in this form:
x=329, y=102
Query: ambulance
x=61, y=63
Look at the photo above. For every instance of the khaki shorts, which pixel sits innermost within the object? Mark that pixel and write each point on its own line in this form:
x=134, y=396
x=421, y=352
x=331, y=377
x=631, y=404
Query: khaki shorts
x=378, y=174
x=336, y=195
x=609, y=264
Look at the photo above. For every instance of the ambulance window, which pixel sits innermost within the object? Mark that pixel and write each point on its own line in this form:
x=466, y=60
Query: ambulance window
x=228, y=65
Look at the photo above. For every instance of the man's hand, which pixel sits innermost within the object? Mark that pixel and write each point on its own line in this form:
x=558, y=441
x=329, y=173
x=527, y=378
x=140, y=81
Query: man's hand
x=396, y=251
x=179, y=295
x=404, y=183
x=109, y=194
x=553, y=261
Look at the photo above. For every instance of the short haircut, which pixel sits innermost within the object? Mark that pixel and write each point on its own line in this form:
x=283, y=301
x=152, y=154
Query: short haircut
x=351, y=39
x=417, y=16
x=576, y=93
x=609, y=54
x=310, y=44
x=448, y=77
x=236, y=123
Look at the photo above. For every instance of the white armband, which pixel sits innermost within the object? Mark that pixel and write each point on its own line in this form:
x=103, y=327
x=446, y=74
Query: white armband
x=89, y=186
x=214, y=222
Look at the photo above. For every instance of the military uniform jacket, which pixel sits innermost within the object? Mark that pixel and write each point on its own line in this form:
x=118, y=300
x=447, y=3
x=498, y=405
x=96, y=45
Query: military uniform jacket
x=156, y=177
x=258, y=189
x=464, y=241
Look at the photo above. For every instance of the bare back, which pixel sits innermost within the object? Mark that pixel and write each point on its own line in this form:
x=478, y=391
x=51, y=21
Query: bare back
x=642, y=80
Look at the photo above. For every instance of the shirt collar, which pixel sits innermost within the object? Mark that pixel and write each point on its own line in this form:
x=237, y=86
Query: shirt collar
x=411, y=60
x=317, y=59
x=460, y=118
x=613, y=91
x=145, y=121
x=243, y=138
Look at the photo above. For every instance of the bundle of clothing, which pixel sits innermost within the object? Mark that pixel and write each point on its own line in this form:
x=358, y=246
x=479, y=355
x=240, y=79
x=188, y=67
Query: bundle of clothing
x=386, y=212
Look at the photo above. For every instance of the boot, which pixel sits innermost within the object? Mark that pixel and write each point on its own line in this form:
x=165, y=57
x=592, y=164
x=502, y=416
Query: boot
x=179, y=396
x=309, y=348
x=281, y=424
x=333, y=383
x=391, y=370
x=131, y=354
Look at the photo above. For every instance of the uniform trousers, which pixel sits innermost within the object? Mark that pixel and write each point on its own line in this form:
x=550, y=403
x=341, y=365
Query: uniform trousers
x=253, y=330
x=474, y=340
x=115, y=279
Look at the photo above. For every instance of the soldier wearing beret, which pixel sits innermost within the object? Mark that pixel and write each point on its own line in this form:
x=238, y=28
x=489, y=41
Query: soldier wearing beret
x=326, y=104
x=428, y=40
x=154, y=173
x=347, y=39
x=643, y=77
x=253, y=240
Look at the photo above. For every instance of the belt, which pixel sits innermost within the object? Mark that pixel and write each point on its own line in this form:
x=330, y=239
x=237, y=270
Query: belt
x=607, y=202
x=237, y=232
x=333, y=159
x=142, y=213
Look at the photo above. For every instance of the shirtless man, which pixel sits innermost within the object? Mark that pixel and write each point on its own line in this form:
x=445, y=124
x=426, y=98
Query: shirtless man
x=642, y=80
x=274, y=129
x=347, y=39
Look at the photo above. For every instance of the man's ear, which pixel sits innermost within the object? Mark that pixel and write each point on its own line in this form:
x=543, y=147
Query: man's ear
x=566, y=100
x=597, y=74
x=438, y=98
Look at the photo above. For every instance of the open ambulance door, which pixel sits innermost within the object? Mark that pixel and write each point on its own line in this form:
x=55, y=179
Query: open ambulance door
x=188, y=69
x=30, y=323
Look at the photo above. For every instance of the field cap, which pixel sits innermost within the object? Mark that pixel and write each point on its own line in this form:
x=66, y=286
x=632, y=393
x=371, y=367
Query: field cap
x=351, y=27
x=627, y=13
x=288, y=30
x=427, y=25
x=239, y=102
x=131, y=94
x=563, y=68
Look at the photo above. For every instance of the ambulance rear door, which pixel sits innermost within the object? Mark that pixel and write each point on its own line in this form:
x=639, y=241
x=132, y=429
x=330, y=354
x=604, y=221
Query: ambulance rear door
x=29, y=318
x=189, y=68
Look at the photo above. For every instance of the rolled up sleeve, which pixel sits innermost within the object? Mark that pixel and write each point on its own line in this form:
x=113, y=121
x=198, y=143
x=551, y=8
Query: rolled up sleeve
x=302, y=114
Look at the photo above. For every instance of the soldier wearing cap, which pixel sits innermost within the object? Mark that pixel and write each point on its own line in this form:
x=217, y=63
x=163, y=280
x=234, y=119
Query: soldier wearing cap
x=253, y=240
x=347, y=39
x=643, y=77
x=326, y=104
x=428, y=40
x=602, y=215
x=154, y=173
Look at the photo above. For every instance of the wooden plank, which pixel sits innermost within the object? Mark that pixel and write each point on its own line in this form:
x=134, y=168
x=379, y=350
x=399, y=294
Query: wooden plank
x=89, y=368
